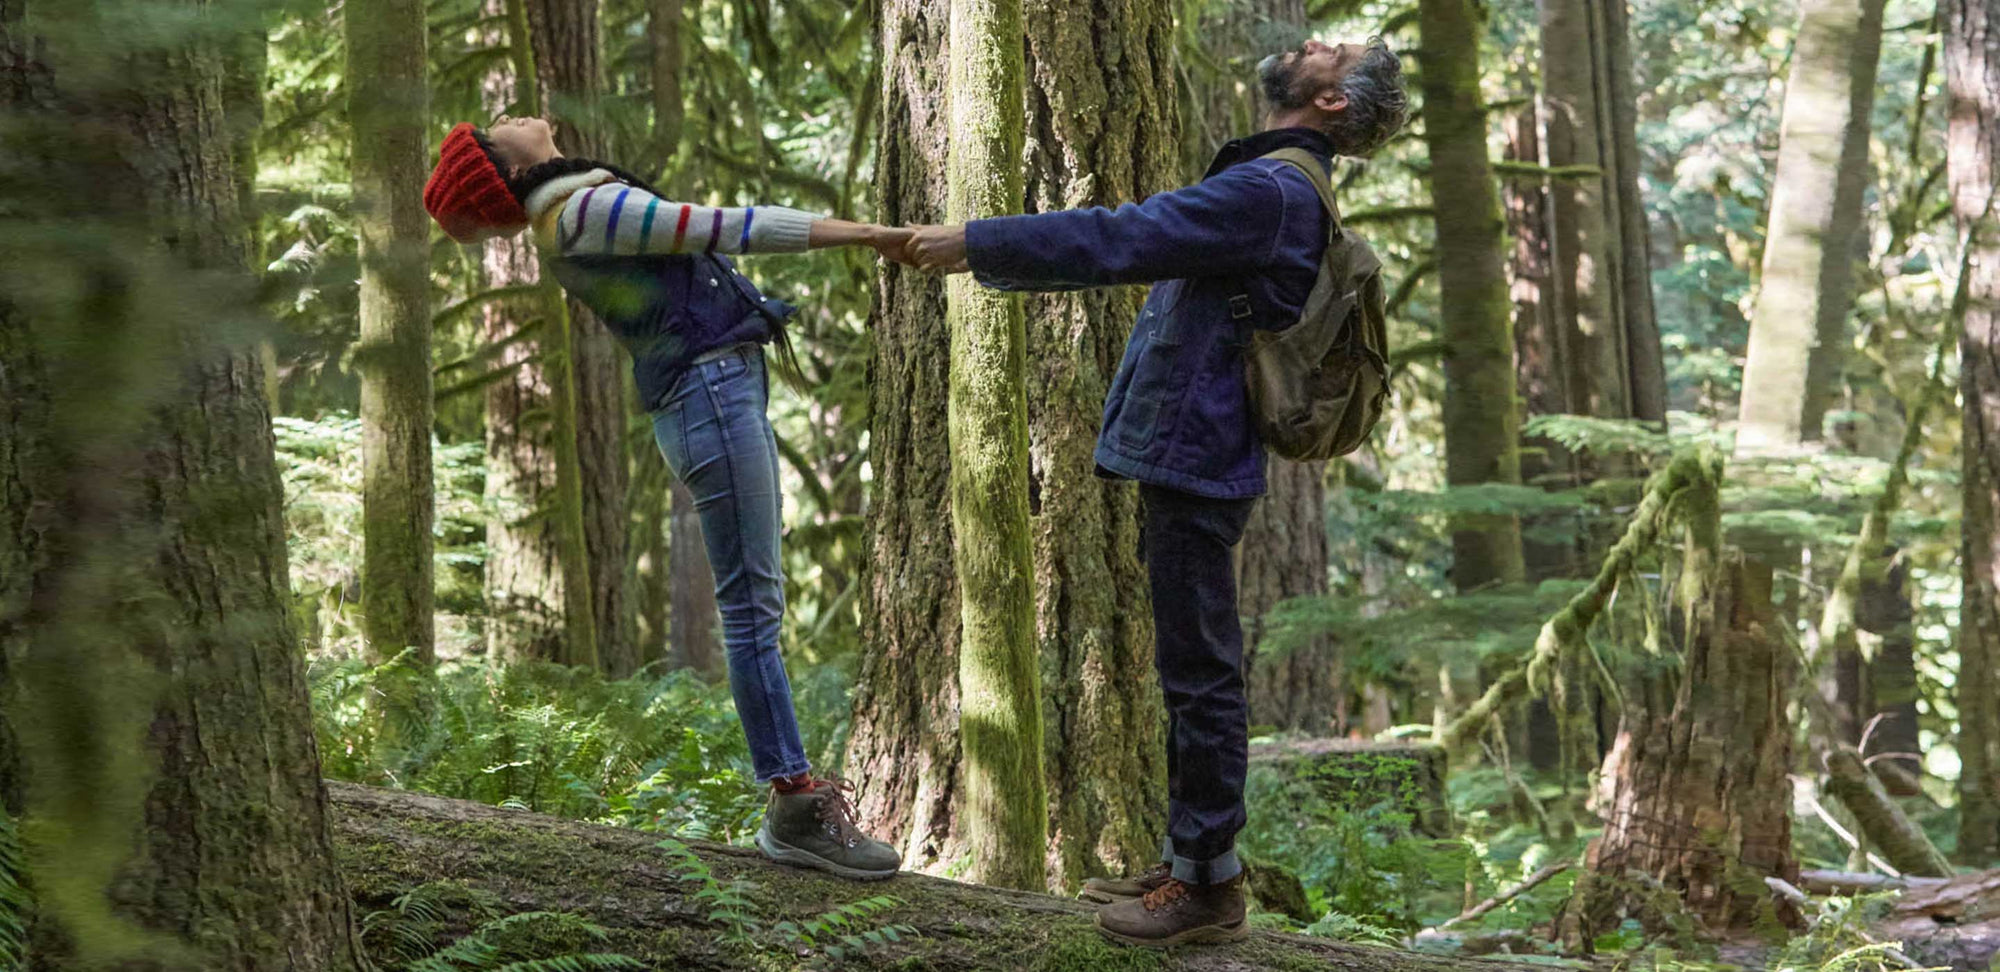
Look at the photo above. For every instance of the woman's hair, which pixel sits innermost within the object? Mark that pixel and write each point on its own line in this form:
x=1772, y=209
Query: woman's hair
x=525, y=182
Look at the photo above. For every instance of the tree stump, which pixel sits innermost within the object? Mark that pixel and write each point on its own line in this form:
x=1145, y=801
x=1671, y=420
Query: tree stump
x=1355, y=775
x=1697, y=801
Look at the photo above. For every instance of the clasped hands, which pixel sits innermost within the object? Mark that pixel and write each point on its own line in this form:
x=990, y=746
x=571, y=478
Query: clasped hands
x=932, y=249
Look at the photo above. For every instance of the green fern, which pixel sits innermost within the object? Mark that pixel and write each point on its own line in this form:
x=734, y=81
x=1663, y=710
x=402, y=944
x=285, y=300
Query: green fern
x=14, y=901
x=504, y=944
x=846, y=930
x=727, y=904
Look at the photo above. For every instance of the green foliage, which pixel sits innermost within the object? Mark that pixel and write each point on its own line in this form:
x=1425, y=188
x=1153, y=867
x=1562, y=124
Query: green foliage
x=847, y=931
x=411, y=935
x=654, y=752
x=1836, y=939
x=1357, y=931
x=14, y=900
x=1361, y=863
x=320, y=462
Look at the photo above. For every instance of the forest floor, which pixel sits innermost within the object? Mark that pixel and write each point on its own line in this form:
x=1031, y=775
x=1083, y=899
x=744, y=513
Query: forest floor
x=391, y=841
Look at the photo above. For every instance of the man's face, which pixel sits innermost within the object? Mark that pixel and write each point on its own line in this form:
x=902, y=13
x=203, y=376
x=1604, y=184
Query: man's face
x=1309, y=75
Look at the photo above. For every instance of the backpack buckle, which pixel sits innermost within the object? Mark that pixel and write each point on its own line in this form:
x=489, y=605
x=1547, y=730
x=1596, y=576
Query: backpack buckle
x=1239, y=307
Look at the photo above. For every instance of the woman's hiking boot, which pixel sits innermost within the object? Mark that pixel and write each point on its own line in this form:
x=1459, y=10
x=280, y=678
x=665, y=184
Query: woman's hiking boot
x=1178, y=913
x=1114, y=890
x=811, y=824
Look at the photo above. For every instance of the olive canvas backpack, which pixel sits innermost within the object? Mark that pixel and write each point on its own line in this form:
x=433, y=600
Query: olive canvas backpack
x=1318, y=387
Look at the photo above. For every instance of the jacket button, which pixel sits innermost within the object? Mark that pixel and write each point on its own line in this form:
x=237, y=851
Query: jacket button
x=713, y=282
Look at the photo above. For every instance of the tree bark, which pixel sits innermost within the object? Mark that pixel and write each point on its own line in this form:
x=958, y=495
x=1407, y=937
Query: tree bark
x=904, y=751
x=1972, y=74
x=155, y=689
x=1696, y=778
x=1101, y=132
x=1806, y=288
x=1481, y=424
x=1284, y=556
x=388, y=105
x=568, y=61
x=667, y=59
x=524, y=566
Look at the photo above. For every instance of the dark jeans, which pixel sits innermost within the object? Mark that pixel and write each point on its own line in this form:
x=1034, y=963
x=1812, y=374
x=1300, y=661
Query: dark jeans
x=1198, y=649
x=713, y=432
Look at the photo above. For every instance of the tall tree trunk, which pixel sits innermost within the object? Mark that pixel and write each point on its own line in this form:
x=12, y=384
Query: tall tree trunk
x=667, y=57
x=1698, y=798
x=1481, y=424
x=1884, y=609
x=999, y=678
x=1644, y=357
x=524, y=567
x=1806, y=288
x=568, y=62
x=693, y=620
x=1972, y=73
x=1541, y=373
x=155, y=687
x=904, y=751
x=1101, y=118
x=1583, y=245
x=388, y=106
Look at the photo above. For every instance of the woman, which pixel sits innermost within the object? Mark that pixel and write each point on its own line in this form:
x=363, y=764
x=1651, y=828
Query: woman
x=651, y=270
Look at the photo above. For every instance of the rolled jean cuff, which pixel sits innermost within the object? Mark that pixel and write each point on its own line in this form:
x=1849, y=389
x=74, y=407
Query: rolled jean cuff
x=1215, y=870
x=802, y=767
x=1167, y=850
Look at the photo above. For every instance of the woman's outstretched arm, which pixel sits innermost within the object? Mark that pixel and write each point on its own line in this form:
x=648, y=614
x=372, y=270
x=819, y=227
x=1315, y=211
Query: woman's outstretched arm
x=614, y=219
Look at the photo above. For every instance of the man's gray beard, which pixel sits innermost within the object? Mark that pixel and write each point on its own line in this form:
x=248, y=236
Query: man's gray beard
x=1276, y=80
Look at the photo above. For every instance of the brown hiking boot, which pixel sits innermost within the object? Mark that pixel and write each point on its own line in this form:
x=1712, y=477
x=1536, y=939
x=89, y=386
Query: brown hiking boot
x=1178, y=913
x=814, y=827
x=1114, y=890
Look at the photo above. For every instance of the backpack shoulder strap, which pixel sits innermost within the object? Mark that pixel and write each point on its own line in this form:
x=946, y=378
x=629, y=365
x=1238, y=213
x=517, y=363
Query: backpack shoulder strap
x=1309, y=164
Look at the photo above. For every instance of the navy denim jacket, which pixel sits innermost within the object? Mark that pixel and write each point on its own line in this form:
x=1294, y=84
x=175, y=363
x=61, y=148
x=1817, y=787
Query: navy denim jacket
x=668, y=310
x=1236, y=252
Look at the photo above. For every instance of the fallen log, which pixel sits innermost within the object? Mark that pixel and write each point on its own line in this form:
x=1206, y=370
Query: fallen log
x=1855, y=882
x=1881, y=819
x=390, y=841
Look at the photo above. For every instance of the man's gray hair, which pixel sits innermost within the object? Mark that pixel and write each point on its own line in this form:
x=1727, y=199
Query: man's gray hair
x=1377, y=105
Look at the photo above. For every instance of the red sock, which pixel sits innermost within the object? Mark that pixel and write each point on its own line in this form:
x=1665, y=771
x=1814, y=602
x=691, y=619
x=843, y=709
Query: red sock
x=792, y=784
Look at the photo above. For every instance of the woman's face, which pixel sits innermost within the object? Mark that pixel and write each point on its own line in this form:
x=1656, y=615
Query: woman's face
x=522, y=142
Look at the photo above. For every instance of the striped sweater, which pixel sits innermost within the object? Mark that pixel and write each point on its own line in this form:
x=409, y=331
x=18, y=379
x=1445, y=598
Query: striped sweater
x=593, y=214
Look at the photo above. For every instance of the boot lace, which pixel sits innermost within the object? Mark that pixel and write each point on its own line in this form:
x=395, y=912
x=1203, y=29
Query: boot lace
x=835, y=812
x=1166, y=895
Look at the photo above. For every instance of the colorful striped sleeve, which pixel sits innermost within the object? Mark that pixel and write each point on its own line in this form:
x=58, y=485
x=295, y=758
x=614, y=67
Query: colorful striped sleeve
x=619, y=220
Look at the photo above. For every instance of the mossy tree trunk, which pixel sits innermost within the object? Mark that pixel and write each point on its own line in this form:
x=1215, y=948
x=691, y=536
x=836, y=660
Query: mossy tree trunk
x=568, y=62
x=1005, y=809
x=1806, y=290
x=1972, y=73
x=388, y=104
x=1100, y=113
x=1481, y=422
x=154, y=683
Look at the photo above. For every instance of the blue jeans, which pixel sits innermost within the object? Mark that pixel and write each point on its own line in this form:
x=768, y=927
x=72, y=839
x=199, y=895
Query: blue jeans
x=716, y=438
x=1187, y=544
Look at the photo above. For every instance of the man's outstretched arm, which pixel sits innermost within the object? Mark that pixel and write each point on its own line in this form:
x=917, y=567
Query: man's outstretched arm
x=1230, y=223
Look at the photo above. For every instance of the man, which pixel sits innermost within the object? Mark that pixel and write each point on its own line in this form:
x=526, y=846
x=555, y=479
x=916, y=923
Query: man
x=1240, y=250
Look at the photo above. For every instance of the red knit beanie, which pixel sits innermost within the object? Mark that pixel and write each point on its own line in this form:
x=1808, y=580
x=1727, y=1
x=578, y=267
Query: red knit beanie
x=466, y=193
